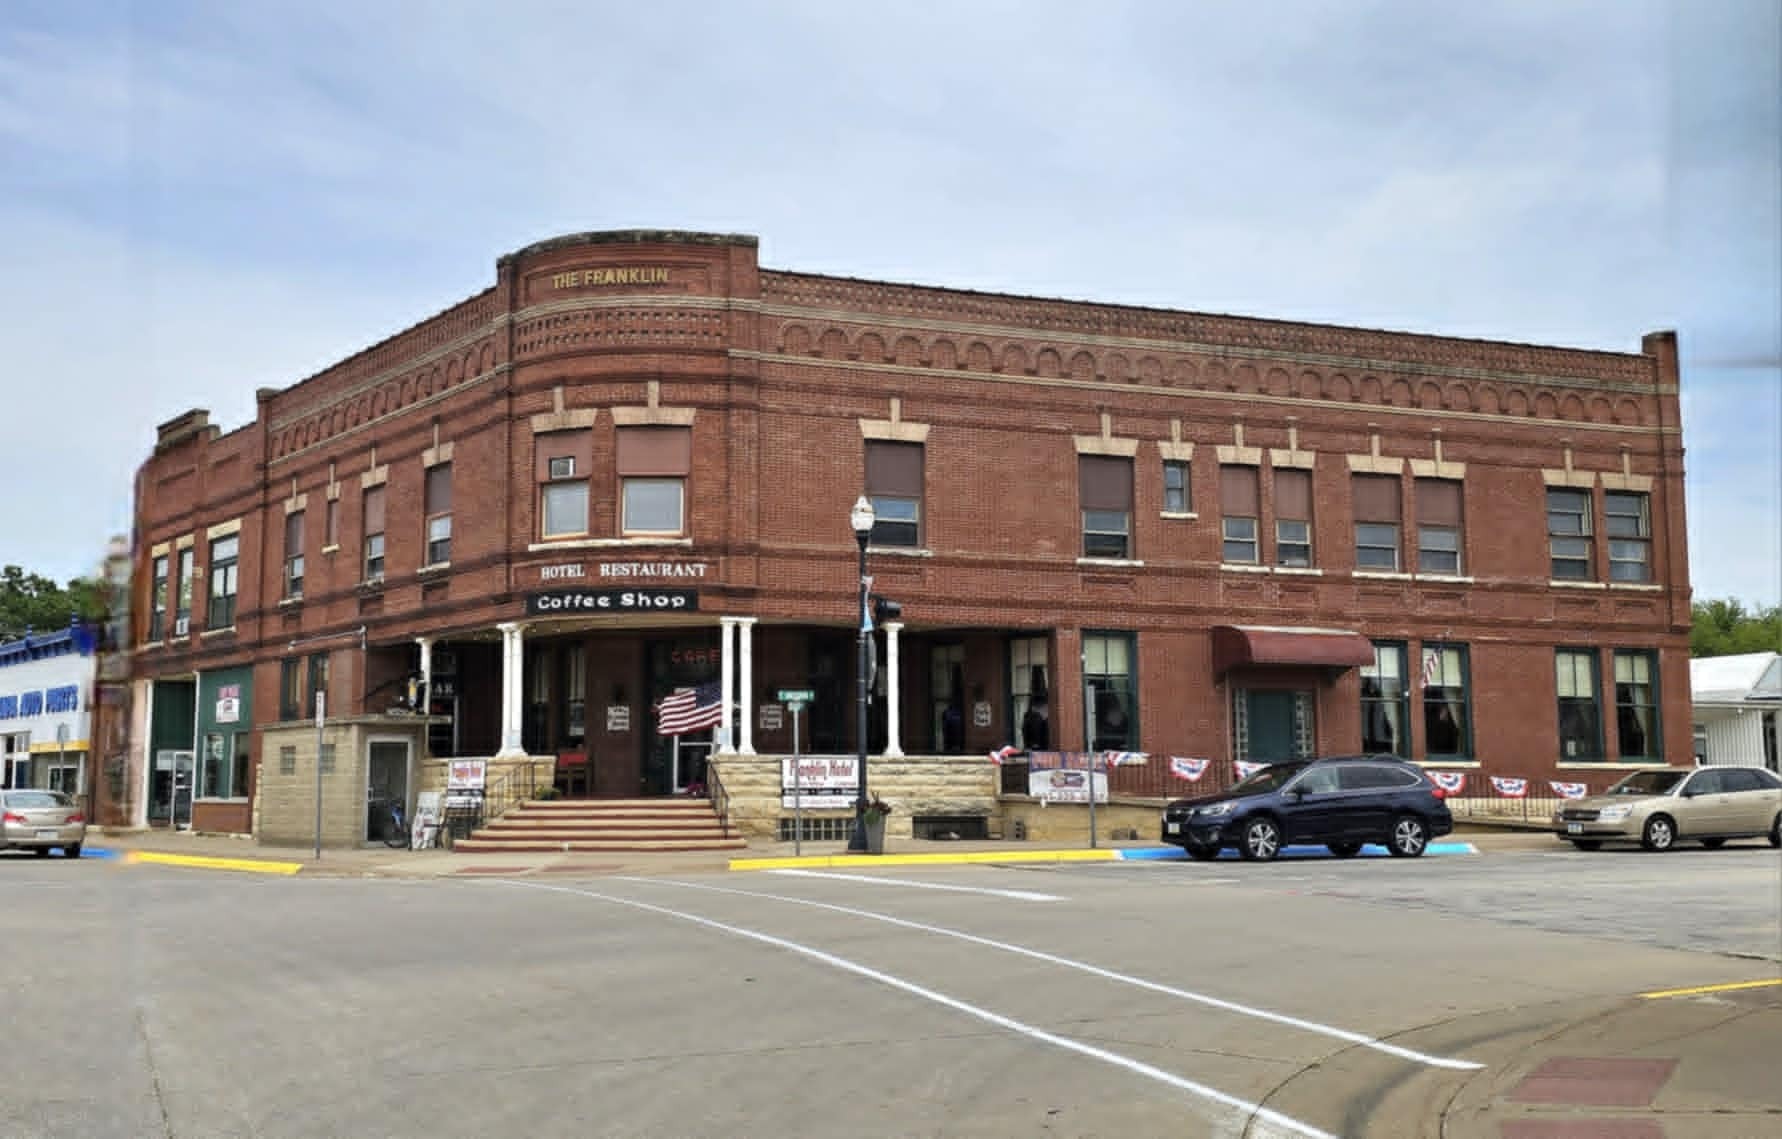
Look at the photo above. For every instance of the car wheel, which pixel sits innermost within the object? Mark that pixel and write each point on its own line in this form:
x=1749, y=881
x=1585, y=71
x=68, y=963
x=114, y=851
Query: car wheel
x=1409, y=837
x=1201, y=853
x=1776, y=830
x=1344, y=849
x=72, y=851
x=41, y=851
x=1713, y=843
x=1261, y=840
x=1588, y=843
x=1660, y=834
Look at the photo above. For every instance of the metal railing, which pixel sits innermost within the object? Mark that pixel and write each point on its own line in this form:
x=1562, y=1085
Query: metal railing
x=720, y=798
x=1152, y=779
x=515, y=786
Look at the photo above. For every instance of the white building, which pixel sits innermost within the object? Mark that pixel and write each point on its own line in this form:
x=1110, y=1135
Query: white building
x=46, y=686
x=1737, y=699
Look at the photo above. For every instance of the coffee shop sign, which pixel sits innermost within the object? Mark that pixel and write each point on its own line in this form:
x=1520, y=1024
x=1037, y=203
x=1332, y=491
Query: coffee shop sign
x=579, y=571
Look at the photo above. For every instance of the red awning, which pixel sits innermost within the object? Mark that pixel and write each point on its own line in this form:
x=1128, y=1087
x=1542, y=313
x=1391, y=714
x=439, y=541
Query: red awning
x=1235, y=646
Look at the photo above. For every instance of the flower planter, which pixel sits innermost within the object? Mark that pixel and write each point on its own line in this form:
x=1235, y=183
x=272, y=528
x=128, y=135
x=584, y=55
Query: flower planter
x=875, y=834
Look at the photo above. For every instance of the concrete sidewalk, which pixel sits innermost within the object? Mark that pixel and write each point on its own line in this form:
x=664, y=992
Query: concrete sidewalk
x=231, y=853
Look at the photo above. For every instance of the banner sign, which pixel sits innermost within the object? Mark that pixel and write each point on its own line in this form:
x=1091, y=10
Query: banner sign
x=1063, y=785
x=467, y=774
x=1189, y=769
x=825, y=782
x=562, y=602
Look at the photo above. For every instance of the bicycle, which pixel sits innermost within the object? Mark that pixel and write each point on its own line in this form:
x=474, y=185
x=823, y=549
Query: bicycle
x=391, y=823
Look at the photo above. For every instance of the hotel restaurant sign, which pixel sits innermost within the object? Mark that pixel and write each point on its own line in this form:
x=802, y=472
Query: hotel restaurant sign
x=629, y=599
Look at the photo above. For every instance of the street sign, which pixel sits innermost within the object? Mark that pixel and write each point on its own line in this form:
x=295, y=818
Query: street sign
x=798, y=696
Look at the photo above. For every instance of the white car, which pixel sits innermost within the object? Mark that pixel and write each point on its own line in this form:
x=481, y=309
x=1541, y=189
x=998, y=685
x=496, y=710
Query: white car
x=39, y=820
x=1657, y=808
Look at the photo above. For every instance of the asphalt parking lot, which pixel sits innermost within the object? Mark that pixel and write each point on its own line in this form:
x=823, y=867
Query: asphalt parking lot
x=1304, y=997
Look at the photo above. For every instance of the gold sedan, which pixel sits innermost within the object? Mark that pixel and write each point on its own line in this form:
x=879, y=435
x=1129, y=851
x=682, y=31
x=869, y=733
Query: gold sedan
x=1658, y=808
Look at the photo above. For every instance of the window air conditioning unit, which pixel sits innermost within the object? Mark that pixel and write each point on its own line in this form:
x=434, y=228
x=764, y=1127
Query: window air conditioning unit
x=182, y=626
x=563, y=468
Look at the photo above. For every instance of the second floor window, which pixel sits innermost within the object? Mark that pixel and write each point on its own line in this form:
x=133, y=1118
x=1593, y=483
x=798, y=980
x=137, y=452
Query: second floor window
x=563, y=463
x=438, y=507
x=894, y=483
x=374, y=533
x=1240, y=514
x=158, y=599
x=1293, y=518
x=1177, y=496
x=1104, y=492
x=1568, y=534
x=182, y=597
x=1385, y=702
x=1378, y=512
x=1439, y=526
x=294, y=555
x=654, y=463
x=224, y=559
x=1628, y=515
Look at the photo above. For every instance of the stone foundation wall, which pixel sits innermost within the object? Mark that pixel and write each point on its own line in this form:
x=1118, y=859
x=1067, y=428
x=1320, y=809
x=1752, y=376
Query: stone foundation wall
x=1068, y=823
x=912, y=785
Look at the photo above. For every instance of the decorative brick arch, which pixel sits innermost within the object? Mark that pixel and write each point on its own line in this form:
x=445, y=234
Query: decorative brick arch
x=1627, y=413
x=436, y=383
x=454, y=373
x=1082, y=366
x=1459, y=398
x=978, y=357
x=1516, y=402
x=1340, y=387
x=1311, y=385
x=1489, y=401
x=1014, y=361
x=1398, y=393
x=1370, y=390
x=1216, y=377
x=339, y=420
x=1278, y=382
x=795, y=340
x=833, y=344
x=1600, y=411
x=908, y=351
x=1119, y=371
x=1245, y=379
x=1546, y=406
x=1571, y=407
x=405, y=394
x=1150, y=370
x=352, y=417
x=1048, y=363
x=377, y=404
x=871, y=348
x=946, y=354
x=1429, y=395
x=485, y=359
x=1184, y=373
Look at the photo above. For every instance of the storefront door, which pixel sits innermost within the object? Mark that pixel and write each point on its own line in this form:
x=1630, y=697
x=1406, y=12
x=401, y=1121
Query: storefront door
x=1273, y=724
x=386, y=781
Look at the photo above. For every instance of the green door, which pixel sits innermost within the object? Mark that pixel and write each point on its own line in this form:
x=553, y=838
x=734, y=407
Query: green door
x=1270, y=714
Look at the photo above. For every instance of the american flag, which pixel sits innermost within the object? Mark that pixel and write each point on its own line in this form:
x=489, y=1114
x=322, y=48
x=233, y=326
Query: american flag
x=689, y=709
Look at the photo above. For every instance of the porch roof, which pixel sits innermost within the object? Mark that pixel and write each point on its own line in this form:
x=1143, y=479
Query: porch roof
x=1235, y=646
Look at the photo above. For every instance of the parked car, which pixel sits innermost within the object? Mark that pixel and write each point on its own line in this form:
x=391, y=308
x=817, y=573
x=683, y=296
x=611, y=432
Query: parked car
x=39, y=820
x=1339, y=801
x=1657, y=808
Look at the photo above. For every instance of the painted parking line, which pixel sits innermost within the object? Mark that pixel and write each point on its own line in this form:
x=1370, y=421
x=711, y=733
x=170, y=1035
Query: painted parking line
x=1176, y=853
x=1731, y=986
x=1018, y=895
x=1237, y=1111
x=1304, y=1025
x=205, y=862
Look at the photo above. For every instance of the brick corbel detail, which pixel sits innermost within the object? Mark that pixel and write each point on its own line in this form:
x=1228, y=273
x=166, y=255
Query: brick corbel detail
x=895, y=429
x=1568, y=475
x=1438, y=467
x=1291, y=456
x=1374, y=463
x=653, y=414
x=560, y=418
x=1106, y=443
x=1176, y=451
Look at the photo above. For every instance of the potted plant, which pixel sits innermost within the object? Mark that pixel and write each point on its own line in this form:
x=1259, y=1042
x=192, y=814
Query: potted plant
x=873, y=819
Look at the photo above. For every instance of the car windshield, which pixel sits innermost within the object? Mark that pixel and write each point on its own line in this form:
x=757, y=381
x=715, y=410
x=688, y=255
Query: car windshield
x=1648, y=783
x=36, y=799
x=1268, y=779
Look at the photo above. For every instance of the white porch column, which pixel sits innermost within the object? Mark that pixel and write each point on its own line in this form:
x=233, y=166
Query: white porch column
x=893, y=709
x=726, y=684
x=746, y=700
x=426, y=645
x=512, y=663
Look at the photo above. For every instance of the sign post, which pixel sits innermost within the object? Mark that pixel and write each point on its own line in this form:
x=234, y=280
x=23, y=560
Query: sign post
x=321, y=713
x=795, y=700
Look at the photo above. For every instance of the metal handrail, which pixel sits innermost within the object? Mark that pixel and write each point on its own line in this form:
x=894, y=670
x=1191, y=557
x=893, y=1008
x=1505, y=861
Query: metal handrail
x=720, y=798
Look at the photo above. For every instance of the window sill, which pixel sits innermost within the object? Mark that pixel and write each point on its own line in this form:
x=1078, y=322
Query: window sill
x=1243, y=567
x=153, y=645
x=1296, y=571
x=1189, y=516
x=290, y=602
x=1637, y=586
x=605, y=544
x=371, y=585
x=1114, y=563
x=1448, y=578
x=1576, y=584
x=1600, y=764
x=237, y=802
x=901, y=551
x=433, y=570
x=1468, y=764
x=334, y=549
x=217, y=632
x=1381, y=575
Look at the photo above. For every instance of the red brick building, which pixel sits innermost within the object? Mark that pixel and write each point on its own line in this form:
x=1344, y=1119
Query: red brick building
x=627, y=467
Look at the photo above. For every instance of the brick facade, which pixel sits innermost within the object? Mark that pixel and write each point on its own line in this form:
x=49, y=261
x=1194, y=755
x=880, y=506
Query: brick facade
x=780, y=378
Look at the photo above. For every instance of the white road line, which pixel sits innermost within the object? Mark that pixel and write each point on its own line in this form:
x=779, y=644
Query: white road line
x=1019, y=895
x=1252, y=1112
x=1139, y=982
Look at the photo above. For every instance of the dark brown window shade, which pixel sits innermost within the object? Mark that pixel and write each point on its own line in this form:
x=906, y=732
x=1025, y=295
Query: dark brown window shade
x=1293, y=495
x=374, y=510
x=1239, y=494
x=1377, y=498
x=293, y=534
x=655, y=451
x=577, y=445
x=1104, y=482
x=439, y=489
x=894, y=469
x=1438, y=502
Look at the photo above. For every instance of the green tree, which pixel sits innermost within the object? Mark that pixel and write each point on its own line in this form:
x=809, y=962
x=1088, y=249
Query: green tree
x=1724, y=626
x=32, y=601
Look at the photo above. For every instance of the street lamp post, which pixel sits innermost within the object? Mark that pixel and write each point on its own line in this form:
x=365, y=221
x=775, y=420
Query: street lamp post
x=861, y=519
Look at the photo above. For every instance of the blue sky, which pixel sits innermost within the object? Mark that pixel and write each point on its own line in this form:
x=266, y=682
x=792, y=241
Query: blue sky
x=200, y=199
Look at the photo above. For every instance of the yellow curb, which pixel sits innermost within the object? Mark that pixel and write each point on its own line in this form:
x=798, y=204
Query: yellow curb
x=1727, y=988
x=202, y=862
x=924, y=859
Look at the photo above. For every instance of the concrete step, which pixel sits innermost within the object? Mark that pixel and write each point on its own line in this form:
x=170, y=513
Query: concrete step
x=665, y=804
x=619, y=818
x=518, y=846
x=557, y=834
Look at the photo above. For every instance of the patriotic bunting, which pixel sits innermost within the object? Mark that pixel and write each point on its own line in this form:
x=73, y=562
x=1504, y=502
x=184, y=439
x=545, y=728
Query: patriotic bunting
x=1123, y=758
x=1510, y=788
x=1571, y=790
x=1246, y=769
x=1003, y=753
x=1449, y=781
x=1189, y=769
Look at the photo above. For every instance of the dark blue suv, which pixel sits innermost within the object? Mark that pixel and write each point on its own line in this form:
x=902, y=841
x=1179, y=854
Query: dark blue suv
x=1340, y=801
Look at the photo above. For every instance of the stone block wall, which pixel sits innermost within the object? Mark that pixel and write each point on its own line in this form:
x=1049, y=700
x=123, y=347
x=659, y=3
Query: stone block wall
x=912, y=785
